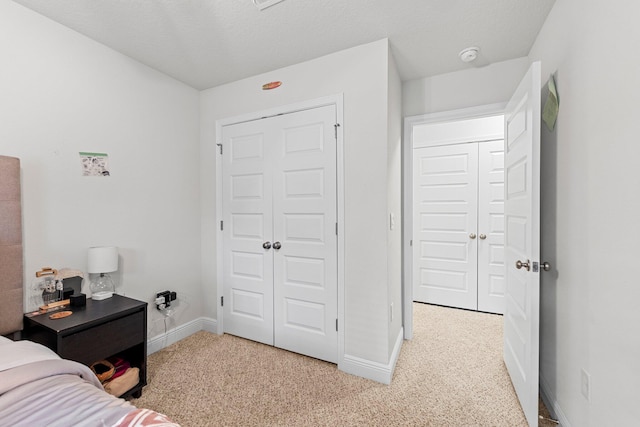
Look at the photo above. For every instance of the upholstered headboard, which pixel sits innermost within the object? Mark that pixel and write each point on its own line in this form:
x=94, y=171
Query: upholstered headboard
x=11, y=268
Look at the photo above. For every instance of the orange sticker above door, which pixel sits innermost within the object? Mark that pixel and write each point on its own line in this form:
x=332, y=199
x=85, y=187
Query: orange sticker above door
x=271, y=85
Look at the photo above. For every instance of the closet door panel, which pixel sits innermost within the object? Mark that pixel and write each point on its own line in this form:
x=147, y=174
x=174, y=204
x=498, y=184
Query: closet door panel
x=247, y=216
x=279, y=186
x=445, y=225
x=491, y=273
x=304, y=202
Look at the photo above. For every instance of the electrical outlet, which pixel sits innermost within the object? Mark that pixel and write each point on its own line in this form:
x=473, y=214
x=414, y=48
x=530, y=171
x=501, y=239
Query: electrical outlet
x=163, y=300
x=585, y=384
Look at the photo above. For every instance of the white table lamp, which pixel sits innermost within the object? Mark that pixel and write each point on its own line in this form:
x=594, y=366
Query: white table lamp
x=102, y=260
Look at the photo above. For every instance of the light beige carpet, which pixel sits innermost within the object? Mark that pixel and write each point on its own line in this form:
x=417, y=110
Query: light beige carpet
x=450, y=374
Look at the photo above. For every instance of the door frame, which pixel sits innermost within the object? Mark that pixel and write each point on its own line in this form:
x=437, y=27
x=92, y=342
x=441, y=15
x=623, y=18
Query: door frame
x=407, y=193
x=338, y=101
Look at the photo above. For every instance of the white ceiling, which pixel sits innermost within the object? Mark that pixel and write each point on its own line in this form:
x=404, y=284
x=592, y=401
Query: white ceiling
x=205, y=43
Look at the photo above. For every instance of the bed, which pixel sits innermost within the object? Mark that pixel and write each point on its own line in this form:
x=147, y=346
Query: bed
x=37, y=387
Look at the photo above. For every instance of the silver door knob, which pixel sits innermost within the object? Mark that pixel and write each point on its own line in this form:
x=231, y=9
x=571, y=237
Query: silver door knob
x=276, y=245
x=472, y=236
x=482, y=236
x=266, y=245
x=520, y=264
x=546, y=266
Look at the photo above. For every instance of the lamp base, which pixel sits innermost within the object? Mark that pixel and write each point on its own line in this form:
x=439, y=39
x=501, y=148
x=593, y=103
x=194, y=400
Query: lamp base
x=102, y=287
x=101, y=295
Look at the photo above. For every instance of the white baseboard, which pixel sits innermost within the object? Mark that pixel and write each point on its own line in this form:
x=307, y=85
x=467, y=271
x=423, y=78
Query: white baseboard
x=161, y=341
x=552, y=404
x=209, y=325
x=380, y=372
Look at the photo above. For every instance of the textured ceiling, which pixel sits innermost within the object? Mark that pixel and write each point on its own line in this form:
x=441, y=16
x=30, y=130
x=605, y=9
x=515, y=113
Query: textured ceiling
x=205, y=43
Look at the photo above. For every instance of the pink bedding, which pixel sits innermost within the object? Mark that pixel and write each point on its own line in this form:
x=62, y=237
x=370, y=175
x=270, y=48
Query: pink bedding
x=37, y=388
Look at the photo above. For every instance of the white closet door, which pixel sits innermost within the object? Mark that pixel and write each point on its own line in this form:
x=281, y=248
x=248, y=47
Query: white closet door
x=445, y=225
x=280, y=245
x=491, y=281
x=248, y=223
x=304, y=203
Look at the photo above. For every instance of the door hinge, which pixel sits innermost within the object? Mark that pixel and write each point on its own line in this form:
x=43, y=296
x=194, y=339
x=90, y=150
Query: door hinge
x=335, y=128
x=336, y=325
x=222, y=301
x=220, y=145
x=336, y=228
x=221, y=225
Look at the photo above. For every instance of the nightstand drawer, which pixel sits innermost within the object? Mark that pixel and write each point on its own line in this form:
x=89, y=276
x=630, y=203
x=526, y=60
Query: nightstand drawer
x=107, y=339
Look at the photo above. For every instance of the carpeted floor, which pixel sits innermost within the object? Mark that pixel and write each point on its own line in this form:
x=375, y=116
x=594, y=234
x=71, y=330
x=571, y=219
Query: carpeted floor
x=450, y=374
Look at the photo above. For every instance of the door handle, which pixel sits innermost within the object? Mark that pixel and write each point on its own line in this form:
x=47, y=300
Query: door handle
x=472, y=236
x=520, y=264
x=276, y=245
x=482, y=236
x=266, y=245
x=546, y=266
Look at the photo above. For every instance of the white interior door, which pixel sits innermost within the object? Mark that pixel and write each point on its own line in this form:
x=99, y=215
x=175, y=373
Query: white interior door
x=445, y=199
x=522, y=241
x=491, y=280
x=248, y=223
x=279, y=235
x=305, y=212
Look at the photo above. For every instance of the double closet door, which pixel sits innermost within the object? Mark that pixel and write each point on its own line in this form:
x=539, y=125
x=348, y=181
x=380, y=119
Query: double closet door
x=458, y=244
x=279, y=238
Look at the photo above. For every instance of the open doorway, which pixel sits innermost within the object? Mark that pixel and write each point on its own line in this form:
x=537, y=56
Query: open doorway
x=458, y=214
x=522, y=119
x=450, y=140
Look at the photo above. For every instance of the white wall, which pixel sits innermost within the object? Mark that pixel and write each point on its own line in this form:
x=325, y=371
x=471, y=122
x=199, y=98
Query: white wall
x=492, y=84
x=63, y=93
x=590, y=210
x=361, y=75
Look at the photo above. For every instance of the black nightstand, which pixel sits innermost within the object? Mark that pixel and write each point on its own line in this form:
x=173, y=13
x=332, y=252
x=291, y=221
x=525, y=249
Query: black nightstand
x=116, y=326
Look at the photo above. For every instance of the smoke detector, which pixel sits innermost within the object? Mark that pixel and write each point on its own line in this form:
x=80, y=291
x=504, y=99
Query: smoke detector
x=469, y=54
x=263, y=4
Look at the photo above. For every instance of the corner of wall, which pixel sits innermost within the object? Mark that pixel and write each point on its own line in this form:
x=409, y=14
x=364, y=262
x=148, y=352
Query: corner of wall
x=394, y=201
x=375, y=371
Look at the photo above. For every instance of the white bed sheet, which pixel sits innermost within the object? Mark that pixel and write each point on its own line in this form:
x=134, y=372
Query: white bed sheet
x=38, y=388
x=16, y=353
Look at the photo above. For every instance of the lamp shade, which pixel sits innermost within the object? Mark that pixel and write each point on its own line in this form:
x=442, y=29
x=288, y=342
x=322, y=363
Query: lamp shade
x=102, y=259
